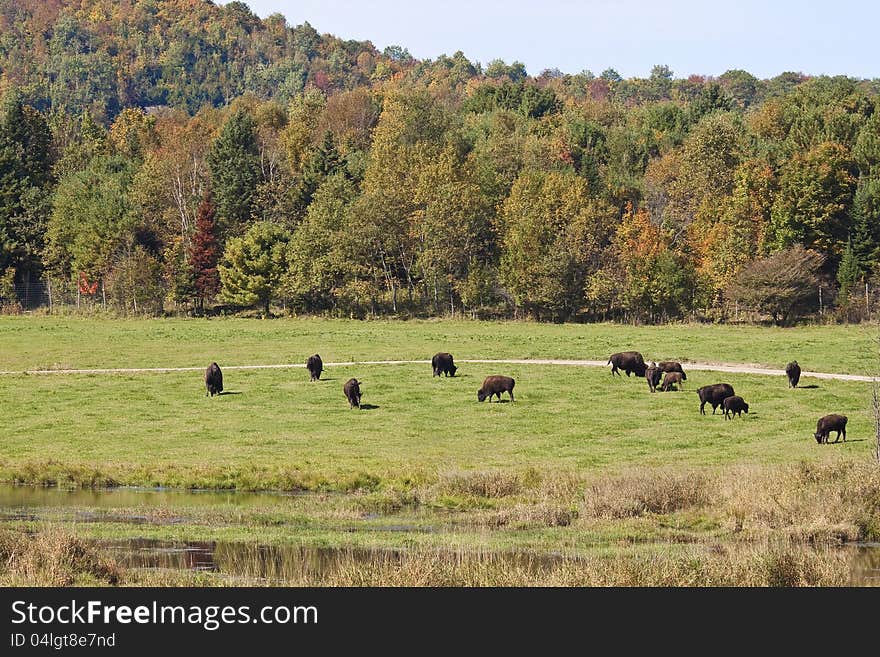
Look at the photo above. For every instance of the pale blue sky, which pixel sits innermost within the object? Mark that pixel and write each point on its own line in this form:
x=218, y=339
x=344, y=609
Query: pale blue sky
x=764, y=37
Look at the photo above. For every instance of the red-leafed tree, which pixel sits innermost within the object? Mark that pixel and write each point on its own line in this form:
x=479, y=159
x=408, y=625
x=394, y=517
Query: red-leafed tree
x=204, y=252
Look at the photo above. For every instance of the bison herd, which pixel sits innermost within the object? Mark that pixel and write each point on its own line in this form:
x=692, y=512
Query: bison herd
x=718, y=394
x=631, y=362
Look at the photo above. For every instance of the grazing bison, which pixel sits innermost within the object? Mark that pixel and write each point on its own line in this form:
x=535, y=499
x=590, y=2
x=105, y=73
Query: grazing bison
x=830, y=423
x=629, y=362
x=352, y=389
x=442, y=364
x=653, y=374
x=734, y=405
x=793, y=372
x=315, y=366
x=672, y=366
x=671, y=379
x=213, y=380
x=495, y=385
x=715, y=395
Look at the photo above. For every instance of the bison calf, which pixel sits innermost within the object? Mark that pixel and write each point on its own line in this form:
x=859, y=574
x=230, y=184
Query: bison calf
x=671, y=379
x=315, y=366
x=629, y=362
x=793, y=372
x=734, y=405
x=495, y=385
x=652, y=375
x=672, y=366
x=352, y=389
x=714, y=394
x=213, y=380
x=442, y=364
x=830, y=423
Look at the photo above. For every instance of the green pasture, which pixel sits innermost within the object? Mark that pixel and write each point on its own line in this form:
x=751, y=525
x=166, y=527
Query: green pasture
x=275, y=429
x=42, y=342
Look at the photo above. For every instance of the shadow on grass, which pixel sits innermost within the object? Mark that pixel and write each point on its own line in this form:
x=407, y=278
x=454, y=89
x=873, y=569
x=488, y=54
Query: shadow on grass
x=229, y=392
x=368, y=407
x=812, y=386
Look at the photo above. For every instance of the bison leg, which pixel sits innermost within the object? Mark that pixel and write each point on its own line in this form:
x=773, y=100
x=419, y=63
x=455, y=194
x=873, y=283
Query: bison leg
x=510, y=392
x=702, y=408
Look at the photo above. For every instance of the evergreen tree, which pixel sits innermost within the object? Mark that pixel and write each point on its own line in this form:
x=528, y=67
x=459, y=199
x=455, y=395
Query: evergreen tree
x=254, y=265
x=203, y=254
x=849, y=272
x=25, y=182
x=234, y=161
x=321, y=165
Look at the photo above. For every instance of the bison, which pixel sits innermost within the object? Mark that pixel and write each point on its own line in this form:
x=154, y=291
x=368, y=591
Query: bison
x=352, y=389
x=652, y=375
x=315, y=366
x=495, y=385
x=442, y=364
x=714, y=394
x=629, y=362
x=734, y=405
x=672, y=366
x=670, y=380
x=213, y=380
x=793, y=372
x=830, y=423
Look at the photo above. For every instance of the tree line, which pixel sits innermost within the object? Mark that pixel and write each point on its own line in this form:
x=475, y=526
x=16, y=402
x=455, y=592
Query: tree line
x=155, y=157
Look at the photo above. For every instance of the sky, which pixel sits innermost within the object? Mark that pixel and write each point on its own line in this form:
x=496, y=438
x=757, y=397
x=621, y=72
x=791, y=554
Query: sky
x=764, y=37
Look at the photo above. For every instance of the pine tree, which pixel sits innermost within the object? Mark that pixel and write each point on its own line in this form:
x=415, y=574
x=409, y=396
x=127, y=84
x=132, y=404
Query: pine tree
x=849, y=272
x=254, y=266
x=203, y=253
x=321, y=165
x=235, y=170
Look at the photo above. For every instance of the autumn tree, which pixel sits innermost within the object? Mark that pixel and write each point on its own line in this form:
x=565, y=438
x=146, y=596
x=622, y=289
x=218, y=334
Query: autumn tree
x=781, y=286
x=204, y=253
x=551, y=236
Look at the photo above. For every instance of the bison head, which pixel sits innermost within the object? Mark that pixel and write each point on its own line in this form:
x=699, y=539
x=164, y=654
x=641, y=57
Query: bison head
x=745, y=407
x=452, y=370
x=818, y=437
x=481, y=395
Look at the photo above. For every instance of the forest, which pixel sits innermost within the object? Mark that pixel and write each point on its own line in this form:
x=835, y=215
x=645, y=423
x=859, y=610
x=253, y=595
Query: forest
x=180, y=157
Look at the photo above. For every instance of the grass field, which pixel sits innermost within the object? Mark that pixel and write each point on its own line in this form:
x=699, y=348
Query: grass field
x=62, y=342
x=275, y=429
x=582, y=462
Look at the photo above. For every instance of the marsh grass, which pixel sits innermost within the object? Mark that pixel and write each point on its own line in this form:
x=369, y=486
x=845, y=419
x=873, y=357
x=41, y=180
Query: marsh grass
x=53, y=557
x=58, y=558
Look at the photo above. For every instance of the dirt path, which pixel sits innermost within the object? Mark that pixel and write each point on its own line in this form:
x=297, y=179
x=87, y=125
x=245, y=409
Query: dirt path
x=707, y=367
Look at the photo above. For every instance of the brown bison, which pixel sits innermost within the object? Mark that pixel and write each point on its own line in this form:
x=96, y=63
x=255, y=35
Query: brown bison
x=352, y=389
x=213, y=380
x=652, y=375
x=442, y=364
x=629, y=362
x=315, y=366
x=672, y=366
x=671, y=380
x=830, y=423
x=734, y=405
x=714, y=394
x=495, y=385
x=793, y=372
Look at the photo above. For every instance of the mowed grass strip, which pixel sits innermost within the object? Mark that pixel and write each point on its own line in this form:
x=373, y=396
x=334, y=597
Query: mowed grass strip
x=275, y=429
x=52, y=342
